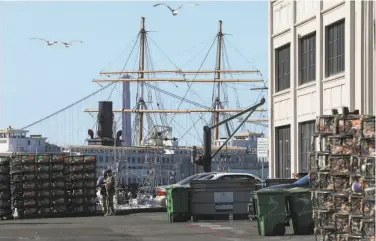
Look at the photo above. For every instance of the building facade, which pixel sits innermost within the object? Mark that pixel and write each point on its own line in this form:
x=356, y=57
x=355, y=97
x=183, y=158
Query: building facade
x=160, y=166
x=16, y=140
x=321, y=56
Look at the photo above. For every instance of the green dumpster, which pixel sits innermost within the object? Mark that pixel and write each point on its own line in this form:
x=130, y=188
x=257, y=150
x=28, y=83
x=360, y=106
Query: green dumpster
x=178, y=204
x=270, y=206
x=299, y=208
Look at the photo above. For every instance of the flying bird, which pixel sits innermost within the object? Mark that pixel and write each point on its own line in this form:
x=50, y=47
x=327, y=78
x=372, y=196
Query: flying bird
x=67, y=45
x=49, y=43
x=174, y=11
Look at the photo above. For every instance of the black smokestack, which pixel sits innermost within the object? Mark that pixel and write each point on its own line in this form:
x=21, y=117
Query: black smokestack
x=105, y=119
x=207, y=142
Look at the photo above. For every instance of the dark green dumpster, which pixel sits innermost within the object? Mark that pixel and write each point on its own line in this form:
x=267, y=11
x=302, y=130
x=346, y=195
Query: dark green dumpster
x=299, y=209
x=270, y=206
x=178, y=204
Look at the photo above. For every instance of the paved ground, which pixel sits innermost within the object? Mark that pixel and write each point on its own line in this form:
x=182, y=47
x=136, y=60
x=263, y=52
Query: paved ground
x=134, y=227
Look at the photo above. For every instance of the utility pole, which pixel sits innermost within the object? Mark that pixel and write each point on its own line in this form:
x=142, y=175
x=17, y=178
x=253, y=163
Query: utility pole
x=141, y=102
x=217, y=101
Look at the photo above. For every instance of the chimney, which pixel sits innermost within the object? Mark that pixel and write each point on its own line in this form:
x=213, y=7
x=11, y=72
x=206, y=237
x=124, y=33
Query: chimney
x=104, y=125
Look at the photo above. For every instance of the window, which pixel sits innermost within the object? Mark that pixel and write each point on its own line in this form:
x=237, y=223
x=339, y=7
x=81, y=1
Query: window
x=209, y=177
x=308, y=59
x=282, y=68
x=242, y=177
x=188, y=179
x=283, y=157
x=225, y=178
x=335, y=48
x=307, y=130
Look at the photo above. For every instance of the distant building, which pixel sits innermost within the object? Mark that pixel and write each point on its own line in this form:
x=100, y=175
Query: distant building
x=52, y=148
x=321, y=56
x=246, y=140
x=16, y=140
x=171, y=163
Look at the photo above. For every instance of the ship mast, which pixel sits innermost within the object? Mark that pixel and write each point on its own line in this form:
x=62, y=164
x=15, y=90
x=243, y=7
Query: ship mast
x=141, y=102
x=141, y=108
x=217, y=101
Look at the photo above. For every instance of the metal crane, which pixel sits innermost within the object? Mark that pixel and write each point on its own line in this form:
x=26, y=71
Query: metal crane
x=205, y=160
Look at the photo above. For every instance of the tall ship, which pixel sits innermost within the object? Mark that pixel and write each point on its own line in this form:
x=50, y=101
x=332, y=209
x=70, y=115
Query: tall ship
x=146, y=151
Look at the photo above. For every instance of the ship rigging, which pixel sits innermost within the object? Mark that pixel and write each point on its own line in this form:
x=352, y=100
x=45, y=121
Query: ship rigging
x=147, y=146
x=145, y=76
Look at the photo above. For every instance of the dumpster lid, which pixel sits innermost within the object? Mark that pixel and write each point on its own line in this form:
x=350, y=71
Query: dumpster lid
x=299, y=190
x=328, y=192
x=267, y=191
x=173, y=186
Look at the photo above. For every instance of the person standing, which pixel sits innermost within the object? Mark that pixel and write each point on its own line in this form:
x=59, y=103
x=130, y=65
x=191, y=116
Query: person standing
x=102, y=191
x=109, y=183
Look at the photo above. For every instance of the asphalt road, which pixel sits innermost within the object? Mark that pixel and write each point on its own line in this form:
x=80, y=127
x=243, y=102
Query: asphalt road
x=134, y=227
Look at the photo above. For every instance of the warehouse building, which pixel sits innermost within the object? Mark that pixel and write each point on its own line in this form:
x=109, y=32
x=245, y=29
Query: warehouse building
x=321, y=56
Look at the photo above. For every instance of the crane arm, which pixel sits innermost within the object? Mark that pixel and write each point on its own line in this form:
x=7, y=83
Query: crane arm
x=206, y=158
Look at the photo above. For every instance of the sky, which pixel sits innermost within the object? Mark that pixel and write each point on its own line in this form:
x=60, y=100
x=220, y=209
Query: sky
x=36, y=80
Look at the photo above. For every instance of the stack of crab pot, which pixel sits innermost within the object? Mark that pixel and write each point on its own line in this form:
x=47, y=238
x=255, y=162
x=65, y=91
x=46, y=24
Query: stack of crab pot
x=342, y=167
x=81, y=184
x=43, y=185
x=57, y=178
x=5, y=210
x=366, y=162
x=24, y=186
x=90, y=184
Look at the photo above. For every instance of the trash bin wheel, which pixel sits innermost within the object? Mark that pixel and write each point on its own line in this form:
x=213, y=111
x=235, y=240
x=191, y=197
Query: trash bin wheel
x=172, y=218
x=305, y=231
x=279, y=230
x=195, y=219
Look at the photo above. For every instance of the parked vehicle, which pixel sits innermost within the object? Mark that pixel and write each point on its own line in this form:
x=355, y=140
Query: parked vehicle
x=232, y=176
x=302, y=182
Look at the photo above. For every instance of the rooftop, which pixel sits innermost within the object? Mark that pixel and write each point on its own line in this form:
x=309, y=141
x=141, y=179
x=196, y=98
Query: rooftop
x=12, y=130
x=247, y=133
x=151, y=147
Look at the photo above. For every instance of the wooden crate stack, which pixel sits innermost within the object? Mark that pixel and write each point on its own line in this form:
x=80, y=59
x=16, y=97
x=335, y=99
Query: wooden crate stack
x=5, y=210
x=342, y=174
x=81, y=173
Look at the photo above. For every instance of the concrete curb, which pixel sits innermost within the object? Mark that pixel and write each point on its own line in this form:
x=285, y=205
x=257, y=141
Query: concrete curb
x=139, y=210
x=123, y=212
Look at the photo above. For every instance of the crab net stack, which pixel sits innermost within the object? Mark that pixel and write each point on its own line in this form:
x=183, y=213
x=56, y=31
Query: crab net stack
x=81, y=183
x=43, y=185
x=5, y=210
x=23, y=186
x=90, y=184
x=342, y=175
x=57, y=180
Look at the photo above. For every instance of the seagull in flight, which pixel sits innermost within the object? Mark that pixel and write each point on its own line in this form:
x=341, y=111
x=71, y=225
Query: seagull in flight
x=67, y=45
x=174, y=11
x=49, y=43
